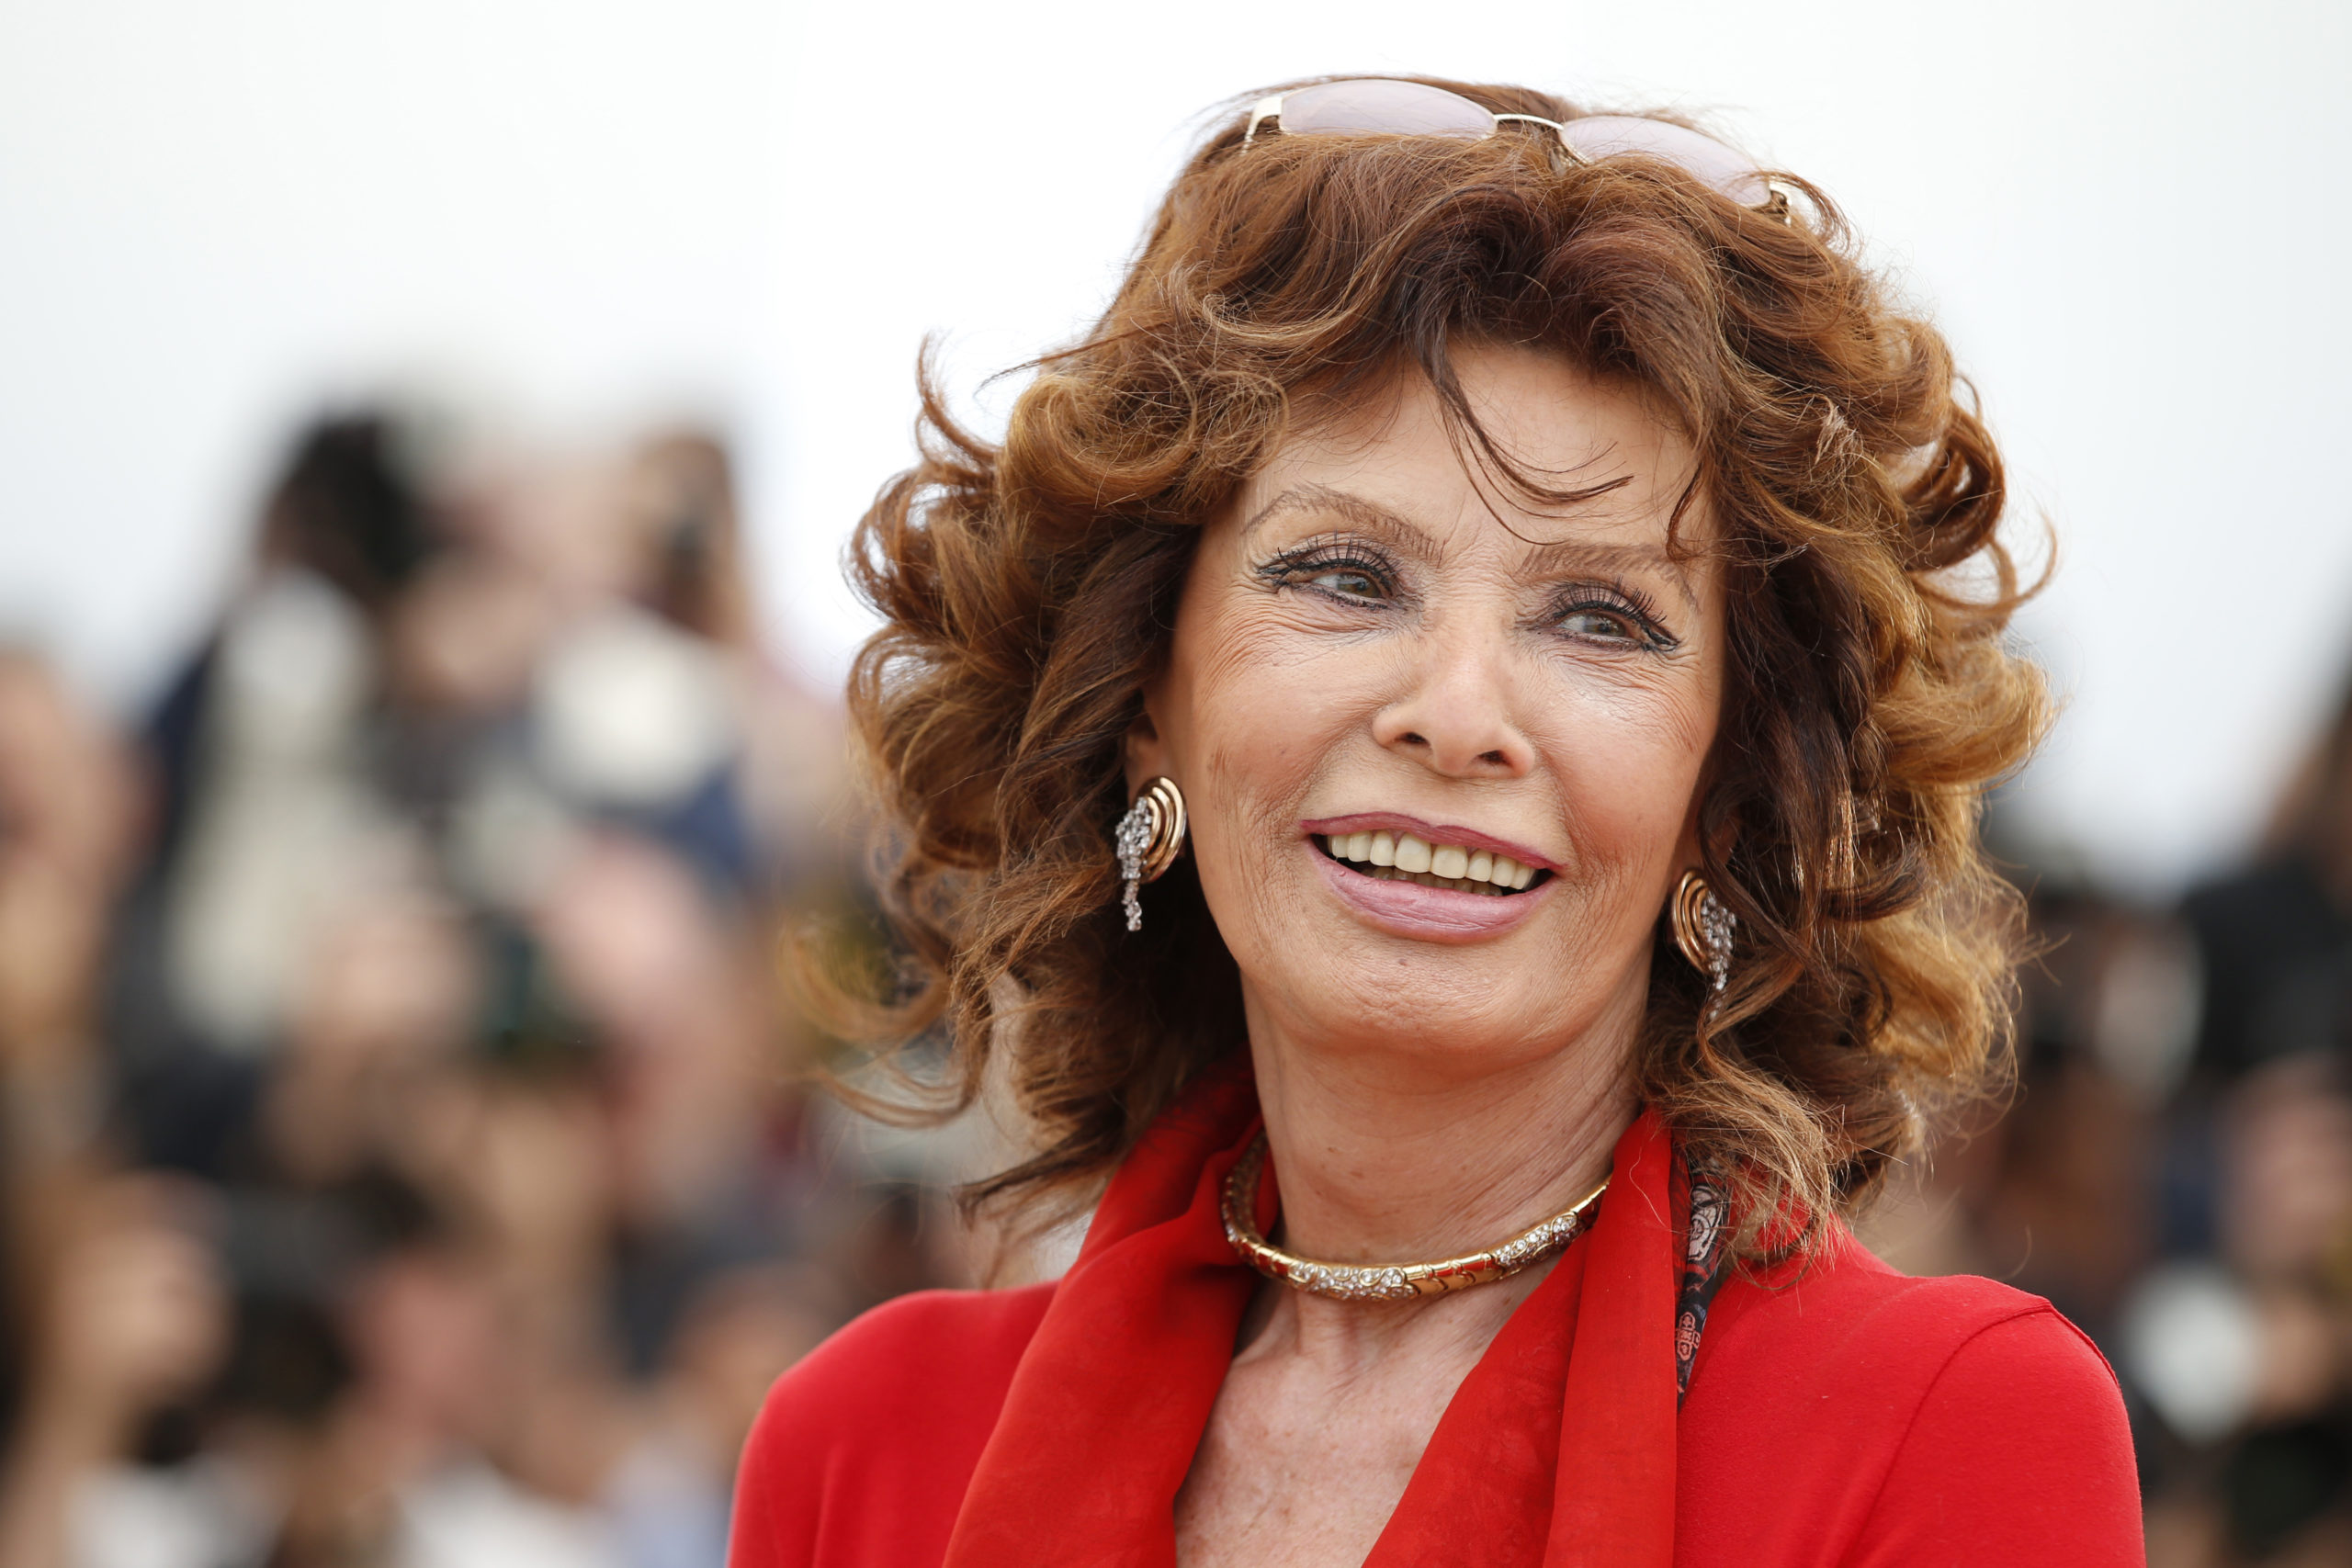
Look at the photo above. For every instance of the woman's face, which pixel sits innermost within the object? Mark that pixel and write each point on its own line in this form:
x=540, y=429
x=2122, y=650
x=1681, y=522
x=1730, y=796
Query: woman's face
x=1441, y=779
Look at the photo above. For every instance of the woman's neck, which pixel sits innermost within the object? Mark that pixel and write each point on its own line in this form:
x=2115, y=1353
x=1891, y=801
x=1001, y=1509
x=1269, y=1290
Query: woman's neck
x=1382, y=1159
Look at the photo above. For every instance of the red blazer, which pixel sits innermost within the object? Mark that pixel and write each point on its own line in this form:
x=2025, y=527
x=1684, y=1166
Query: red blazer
x=1848, y=1415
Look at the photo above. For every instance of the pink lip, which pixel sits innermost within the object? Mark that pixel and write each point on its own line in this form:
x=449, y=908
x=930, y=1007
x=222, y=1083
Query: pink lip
x=1469, y=838
x=1428, y=914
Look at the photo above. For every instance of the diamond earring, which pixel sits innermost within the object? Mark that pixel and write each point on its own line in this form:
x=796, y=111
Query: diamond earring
x=1702, y=927
x=1149, y=838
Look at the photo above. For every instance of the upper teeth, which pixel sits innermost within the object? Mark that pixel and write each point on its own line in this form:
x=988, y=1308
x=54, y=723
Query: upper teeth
x=1447, y=863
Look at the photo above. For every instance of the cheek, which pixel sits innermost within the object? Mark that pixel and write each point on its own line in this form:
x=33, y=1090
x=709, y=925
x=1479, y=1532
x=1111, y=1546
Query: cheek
x=1253, y=714
x=1628, y=763
x=1259, y=713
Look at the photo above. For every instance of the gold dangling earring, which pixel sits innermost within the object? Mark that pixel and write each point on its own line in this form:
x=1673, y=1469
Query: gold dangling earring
x=1702, y=929
x=1149, y=840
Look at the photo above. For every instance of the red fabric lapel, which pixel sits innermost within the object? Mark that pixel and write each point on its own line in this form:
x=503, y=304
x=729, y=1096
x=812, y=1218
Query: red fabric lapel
x=1109, y=1402
x=1614, y=1503
x=1557, y=1450
x=1482, y=1493
x=1559, y=1447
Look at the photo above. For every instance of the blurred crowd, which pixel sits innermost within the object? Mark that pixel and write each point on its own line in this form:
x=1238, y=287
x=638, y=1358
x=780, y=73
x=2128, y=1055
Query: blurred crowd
x=408, y=1154
x=406, y=1150
x=2173, y=1167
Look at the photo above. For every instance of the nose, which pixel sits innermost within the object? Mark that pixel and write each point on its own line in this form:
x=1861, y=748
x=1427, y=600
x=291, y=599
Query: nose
x=1455, y=716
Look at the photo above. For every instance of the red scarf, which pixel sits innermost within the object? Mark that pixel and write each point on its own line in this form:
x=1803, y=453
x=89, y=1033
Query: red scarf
x=1559, y=1449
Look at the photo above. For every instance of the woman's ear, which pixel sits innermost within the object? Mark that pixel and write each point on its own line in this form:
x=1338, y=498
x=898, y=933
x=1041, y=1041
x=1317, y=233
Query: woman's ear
x=1690, y=846
x=1147, y=754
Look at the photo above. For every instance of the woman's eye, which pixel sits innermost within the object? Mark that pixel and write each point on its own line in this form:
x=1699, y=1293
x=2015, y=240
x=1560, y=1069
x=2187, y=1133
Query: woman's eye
x=1348, y=581
x=1605, y=625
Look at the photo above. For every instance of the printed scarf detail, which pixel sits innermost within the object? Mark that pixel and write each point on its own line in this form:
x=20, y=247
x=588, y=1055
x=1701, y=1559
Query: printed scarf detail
x=1705, y=1200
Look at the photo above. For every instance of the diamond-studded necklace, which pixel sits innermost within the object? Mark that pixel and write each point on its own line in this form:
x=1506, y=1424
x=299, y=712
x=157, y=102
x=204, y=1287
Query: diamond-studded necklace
x=1391, y=1282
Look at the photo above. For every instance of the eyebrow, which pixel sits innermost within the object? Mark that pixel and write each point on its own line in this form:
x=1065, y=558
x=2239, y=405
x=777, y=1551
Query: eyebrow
x=1573, y=554
x=1541, y=558
x=1364, y=512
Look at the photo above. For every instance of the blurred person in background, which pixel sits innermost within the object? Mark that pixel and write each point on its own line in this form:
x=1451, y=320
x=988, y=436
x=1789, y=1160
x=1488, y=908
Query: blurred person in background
x=2243, y=1336
x=436, y=680
x=2273, y=936
x=403, y=1161
x=272, y=813
x=112, y=1305
x=2174, y=1169
x=2052, y=1181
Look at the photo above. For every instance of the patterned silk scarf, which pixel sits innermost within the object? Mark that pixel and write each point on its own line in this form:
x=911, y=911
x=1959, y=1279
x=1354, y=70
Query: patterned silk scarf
x=1557, y=1449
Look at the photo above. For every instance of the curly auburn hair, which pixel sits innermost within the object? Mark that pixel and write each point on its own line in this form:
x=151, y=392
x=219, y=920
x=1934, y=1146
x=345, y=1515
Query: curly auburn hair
x=1028, y=591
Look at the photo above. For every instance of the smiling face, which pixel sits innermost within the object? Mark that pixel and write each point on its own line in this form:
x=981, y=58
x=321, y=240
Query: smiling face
x=1441, y=779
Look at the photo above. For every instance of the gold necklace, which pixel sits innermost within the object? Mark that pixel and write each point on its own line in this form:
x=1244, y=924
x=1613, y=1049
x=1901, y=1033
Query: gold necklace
x=1391, y=1281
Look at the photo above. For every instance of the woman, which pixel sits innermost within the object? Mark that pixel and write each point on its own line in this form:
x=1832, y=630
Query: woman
x=1538, y=602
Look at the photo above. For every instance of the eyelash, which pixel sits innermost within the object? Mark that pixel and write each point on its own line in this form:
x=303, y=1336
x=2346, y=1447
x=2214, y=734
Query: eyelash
x=1297, y=566
x=1626, y=604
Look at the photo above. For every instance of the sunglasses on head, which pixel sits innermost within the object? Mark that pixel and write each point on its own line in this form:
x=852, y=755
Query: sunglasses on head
x=1382, y=106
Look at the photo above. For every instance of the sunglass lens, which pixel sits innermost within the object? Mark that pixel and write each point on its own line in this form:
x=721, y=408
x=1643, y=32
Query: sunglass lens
x=1607, y=135
x=1379, y=107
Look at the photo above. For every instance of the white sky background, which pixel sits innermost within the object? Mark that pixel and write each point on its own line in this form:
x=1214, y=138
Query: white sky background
x=2130, y=218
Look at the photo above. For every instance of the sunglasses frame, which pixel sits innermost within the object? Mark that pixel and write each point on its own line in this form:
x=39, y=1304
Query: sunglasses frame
x=1776, y=205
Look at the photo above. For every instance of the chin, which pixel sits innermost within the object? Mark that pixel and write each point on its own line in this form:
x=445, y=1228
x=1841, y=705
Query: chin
x=1376, y=997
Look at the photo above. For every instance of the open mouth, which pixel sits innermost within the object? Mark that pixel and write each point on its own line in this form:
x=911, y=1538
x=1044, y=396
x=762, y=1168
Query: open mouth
x=1404, y=857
